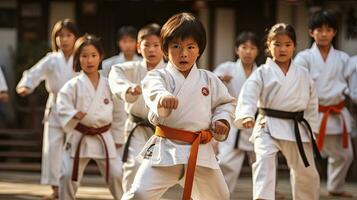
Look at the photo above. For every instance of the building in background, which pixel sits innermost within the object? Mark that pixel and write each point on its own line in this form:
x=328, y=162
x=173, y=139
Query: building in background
x=25, y=28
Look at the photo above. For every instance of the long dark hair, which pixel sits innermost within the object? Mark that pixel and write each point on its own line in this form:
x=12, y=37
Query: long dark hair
x=61, y=24
x=83, y=41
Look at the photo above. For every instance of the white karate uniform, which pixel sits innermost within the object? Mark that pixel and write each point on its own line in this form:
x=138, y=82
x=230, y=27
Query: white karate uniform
x=195, y=112
x=352, y=64
x=77, y=95
x=3, y=85
x=231, y=159
x=121, y=78
x=333, y=80
x=109, y=62
x=55, y=70
x=271, y=88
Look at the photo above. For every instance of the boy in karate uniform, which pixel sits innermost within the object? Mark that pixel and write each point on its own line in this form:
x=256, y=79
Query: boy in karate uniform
x=124, y=81
x=332, y=76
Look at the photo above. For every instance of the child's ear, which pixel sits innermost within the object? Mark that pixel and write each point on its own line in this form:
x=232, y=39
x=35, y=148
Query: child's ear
x=311, y=33
x=138, y=48
x=335, y=32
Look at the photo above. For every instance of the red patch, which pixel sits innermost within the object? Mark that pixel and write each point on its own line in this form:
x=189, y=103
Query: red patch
x=106, y=101
x=205, y=91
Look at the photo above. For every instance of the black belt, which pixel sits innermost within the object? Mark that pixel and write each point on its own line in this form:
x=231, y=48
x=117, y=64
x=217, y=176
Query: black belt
x=298, y=117
x=139, y=122
x=237, y=139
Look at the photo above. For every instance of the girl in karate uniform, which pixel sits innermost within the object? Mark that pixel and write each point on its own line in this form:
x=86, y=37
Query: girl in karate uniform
x=232, y=152
x=55, y=69
x=287, y=104
x=93, y=122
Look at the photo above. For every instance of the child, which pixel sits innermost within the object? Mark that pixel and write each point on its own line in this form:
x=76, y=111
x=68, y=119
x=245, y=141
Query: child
x=126, y=42
x=234, y=74
x=187, y=105
x=332, y=77
x=4, y=96
x=56, y=69
x=286, y=97
x=92, y=122
x=124, y=81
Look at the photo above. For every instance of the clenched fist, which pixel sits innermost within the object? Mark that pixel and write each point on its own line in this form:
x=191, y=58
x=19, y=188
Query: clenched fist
x=79, y=115
x=23, y=91
x=225, y=78
x=220, y=128
x=248, y=122
x=136, y=90
x=168, y=102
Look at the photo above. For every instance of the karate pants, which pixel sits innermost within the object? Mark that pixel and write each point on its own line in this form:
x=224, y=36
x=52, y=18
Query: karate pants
x=305, y=181
x=339, y=160
x=52, y=150
x=152, y=182
x=131, y=166
x=68, y=188
x=231, y=163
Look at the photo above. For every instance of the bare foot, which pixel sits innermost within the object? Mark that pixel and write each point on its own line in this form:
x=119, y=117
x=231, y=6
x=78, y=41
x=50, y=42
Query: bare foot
x=54, y=195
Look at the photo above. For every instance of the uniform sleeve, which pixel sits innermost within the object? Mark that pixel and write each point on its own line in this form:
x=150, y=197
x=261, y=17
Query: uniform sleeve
x=221, y=69
x=248, y=98
x=154, y=87
x=118, y=124
x=66, y=101
x=3, y=85
x=350, y=74
x=119, y=82
x=311, y=112
x=302, y=59
x=223, y=103
x=106, y=67
x=32, y=77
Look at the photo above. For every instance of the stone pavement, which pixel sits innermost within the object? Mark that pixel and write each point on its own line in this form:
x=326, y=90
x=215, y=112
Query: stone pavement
x=25, y=186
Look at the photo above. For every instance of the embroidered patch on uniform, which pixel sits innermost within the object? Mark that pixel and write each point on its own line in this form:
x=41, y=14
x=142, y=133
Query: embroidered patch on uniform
x=106, y=101
x=205, y=91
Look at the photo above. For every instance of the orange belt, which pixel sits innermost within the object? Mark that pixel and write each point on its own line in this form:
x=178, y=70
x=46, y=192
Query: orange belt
x=195, y=138
x=335, y=109
x=85, y=130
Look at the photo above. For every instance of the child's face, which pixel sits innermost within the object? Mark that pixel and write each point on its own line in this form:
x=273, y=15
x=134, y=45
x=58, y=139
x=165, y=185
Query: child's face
x=65, y=40
x=183, y=53
x=127, y=45
x=323, y=35
x=247, y=52
x=89, y=59
x=281, y=48
x=150, y=49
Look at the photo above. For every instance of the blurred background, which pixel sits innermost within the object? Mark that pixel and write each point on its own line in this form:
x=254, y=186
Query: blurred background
x=25, y=27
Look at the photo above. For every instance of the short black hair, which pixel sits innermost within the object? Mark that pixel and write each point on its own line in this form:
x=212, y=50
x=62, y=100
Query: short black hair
x=127, y=31
x=182, y=26
x=245, y=37
x=83, y=41
x=323, y=17
x=150, y=29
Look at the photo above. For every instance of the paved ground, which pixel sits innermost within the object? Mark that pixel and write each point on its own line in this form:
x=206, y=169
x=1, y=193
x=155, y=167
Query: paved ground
x=25, y=186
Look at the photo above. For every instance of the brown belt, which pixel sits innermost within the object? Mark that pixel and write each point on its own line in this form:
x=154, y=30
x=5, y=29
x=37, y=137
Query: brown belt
x=336, y=109
x=195, y=138
x=85, y=130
